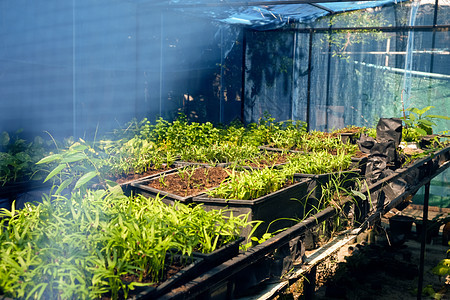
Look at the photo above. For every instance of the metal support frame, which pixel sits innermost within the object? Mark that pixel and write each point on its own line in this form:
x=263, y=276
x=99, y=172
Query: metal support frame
x=244, y=57
x=308, y=97
x=424, y=239
x=216, y=277
x=252, y=3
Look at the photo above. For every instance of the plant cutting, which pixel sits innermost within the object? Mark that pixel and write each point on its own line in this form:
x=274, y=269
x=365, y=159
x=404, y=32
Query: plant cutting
x=75, y=166
x=135, y=158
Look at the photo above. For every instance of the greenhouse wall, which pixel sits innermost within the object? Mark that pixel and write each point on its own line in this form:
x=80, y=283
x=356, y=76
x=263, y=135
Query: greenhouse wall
x=86, y=67
x=353, y=77
x=67, y=65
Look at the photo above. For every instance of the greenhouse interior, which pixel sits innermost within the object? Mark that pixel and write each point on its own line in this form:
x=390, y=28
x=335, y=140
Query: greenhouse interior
x=225, y=149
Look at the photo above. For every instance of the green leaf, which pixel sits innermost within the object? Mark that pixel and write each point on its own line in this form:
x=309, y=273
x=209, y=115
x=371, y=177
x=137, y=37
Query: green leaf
x=64, y=185
x=55, y=171
x=78, y=147
x=73, y=157
x=359, y=194
x=426, y=123
x=423, y=110
x=85, y=178
x=438, y=117
x=421, y=131
x=414, y=110
x=49, y=158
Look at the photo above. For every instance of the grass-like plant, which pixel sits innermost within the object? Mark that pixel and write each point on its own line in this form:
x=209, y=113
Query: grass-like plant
x=224, y=152
x=318, y=162
x=250, y=184
x=91, y=244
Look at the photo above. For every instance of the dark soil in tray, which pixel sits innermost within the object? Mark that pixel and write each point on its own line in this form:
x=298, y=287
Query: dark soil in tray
x=131, y=177
x=192, y=182
x=268, y=160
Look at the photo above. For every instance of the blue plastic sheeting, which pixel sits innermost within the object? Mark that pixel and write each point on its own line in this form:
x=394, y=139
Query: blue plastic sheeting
x=266, y=17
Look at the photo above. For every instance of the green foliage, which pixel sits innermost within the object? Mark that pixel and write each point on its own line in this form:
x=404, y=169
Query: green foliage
x=318, y=162
x=74, y=166
x=344, y=39
x=18, y=158
x=421, y=122
x=136, y=155
x=411, y=134
x=249, y=185
x=83, y=246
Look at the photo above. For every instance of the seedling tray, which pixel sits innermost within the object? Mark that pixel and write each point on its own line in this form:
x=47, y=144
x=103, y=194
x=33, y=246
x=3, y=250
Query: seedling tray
x=288, y=202
x=141, y=187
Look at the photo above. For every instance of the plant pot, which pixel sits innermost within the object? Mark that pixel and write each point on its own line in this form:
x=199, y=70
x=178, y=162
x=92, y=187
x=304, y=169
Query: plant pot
x=399, y=229
x=360, y=163
x=288, y=202
x=433, y=227
x=401, y=224
x=429, y=141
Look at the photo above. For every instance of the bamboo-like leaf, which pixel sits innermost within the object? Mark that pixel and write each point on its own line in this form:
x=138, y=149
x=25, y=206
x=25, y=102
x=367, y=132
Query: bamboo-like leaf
x=42, y=286
x=359, y=194
x=55, y=171
x=73, y=157
x=438, y=117
x=49, y=158
x=421, y=131
x=64, y=185
x=426, y=123
x=85, y=178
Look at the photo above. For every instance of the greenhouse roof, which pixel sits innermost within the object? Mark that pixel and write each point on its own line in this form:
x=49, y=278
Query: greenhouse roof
x=270, y=14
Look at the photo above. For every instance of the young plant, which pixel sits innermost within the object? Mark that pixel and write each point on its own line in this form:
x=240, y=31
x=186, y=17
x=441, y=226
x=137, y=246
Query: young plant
x=248, y=185
x=75, y=166
x=18, y=158
x=319, y=162
x=422, y=122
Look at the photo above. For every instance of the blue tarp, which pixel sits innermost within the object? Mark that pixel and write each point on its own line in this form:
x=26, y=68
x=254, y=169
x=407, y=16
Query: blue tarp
x=264, y=17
